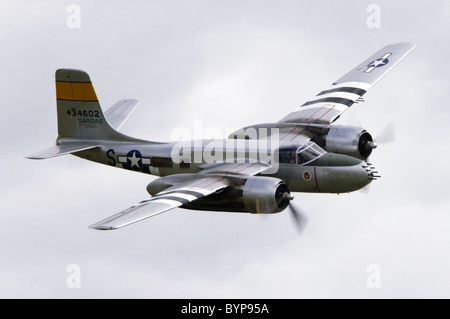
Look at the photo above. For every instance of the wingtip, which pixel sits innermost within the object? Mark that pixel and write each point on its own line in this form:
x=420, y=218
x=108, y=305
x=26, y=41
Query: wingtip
x=31, y=157
x=101, y=227
x=406, y=44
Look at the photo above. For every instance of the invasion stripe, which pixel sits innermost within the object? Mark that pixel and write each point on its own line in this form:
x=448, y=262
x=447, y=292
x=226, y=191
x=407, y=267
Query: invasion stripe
x=353, y=90
x=331, y=100
x=174, y=198
x=167, y=201
x=181, y=195
x=182, y=191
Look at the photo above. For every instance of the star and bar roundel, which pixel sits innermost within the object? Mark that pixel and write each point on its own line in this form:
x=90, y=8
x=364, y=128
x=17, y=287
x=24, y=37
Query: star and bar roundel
x=378, y=63
x=134, y=161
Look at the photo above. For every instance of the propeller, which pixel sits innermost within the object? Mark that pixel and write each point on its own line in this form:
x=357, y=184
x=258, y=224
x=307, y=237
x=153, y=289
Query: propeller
x=366, y=144
x=299, y=217
x=387, y=135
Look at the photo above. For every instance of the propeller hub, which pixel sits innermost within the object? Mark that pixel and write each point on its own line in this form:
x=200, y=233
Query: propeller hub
x=288, y=196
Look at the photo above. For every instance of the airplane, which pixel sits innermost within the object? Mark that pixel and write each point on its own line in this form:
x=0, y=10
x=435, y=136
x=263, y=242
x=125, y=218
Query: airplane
x=254, y=170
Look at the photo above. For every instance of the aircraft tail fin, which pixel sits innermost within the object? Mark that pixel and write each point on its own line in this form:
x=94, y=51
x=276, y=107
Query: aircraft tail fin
x=79, y=113
x=82, y=125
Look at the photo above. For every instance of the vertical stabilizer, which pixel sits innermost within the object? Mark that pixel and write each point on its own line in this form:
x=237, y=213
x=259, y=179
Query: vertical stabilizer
x=79, y=113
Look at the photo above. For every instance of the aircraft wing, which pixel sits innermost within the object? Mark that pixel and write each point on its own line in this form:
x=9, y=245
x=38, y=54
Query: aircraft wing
x=329, y=104
x=212, y=179
x=168, y=199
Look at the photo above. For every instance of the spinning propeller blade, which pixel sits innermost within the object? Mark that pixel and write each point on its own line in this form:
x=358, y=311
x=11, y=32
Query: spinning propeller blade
x=300, y=219
x=387, y=135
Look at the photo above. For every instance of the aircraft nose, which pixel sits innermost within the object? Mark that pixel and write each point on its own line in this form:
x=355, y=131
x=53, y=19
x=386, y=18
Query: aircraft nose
x=338, y=173
x=366, y=174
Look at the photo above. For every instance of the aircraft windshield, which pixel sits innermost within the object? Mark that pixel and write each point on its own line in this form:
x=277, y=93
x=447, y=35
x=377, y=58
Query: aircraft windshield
x=306, y=153
x=309, y=152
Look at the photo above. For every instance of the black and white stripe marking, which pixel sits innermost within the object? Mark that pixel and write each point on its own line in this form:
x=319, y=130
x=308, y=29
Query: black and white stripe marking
x=180, y=196
x=339, y=100
x=344, y=89
x=346, y=94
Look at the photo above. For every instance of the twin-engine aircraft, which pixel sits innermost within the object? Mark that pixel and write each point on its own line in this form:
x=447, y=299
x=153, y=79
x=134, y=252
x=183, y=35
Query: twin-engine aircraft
x=253, y=171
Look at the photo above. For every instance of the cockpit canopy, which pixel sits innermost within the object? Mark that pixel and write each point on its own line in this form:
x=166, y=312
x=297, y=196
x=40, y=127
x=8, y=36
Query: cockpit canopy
x=304, y=154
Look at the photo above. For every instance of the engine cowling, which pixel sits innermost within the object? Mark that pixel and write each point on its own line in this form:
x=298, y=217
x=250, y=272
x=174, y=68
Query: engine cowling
x=349, y=140
x=265, y=195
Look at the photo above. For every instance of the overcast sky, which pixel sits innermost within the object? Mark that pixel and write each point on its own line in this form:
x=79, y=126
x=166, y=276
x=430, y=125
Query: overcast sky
x=227, y=64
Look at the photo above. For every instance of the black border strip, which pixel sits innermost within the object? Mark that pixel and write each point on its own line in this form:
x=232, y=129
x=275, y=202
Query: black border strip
x=71, y=81
x=331, y=100
x=345, y=89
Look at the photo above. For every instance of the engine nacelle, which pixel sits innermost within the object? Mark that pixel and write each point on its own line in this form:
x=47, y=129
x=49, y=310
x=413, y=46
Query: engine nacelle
x=349, y=140
x=265, y=195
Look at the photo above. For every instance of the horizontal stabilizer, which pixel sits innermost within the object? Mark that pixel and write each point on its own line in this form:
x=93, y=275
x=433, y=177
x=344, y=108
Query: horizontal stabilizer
x=117, y=114
x=62, y=149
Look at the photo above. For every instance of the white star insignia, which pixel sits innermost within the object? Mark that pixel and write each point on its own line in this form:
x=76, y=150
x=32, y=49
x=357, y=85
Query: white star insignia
x=377, y=63
x=134, y=160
